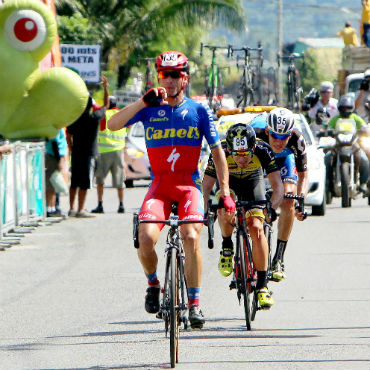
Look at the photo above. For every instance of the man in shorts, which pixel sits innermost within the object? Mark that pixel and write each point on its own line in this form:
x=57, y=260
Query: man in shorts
x=174, y=128
x=111, y=146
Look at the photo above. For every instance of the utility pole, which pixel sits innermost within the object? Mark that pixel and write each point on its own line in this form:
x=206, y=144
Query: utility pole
x=280, y=50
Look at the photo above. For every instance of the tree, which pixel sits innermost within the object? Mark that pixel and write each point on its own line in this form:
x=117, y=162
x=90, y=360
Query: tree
x=138, y=27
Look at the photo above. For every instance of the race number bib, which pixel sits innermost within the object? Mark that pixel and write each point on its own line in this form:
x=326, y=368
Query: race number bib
x=169, y=60
x=240, y=144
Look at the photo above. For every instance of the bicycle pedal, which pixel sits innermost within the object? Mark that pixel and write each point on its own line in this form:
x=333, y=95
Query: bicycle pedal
x=159, y=315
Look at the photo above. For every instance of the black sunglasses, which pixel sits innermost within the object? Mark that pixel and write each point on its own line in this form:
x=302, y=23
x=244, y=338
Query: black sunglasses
x=172, y=74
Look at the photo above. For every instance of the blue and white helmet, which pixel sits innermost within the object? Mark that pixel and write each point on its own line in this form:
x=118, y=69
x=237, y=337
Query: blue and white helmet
x=280, y=121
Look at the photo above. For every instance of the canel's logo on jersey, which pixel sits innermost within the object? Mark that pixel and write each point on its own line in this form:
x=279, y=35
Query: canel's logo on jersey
x=173, y=158
x=190, y=133
x=161, y=113
x=161, y=119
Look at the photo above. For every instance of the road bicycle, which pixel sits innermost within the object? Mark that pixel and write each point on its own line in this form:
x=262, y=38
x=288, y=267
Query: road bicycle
x=250, y=81
x=213, y=77
x=174, y=304
x=148, y=80
x=294, y=90
x=244, y=273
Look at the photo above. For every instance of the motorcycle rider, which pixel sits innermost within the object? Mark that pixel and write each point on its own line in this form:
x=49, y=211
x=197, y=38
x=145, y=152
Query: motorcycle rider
x=326, y=101
x=347, y=117
x=362, y=96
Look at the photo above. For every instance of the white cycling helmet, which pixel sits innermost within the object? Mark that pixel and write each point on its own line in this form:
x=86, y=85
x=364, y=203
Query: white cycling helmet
x=280, y=121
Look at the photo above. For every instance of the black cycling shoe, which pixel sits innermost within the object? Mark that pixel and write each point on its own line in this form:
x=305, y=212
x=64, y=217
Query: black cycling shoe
x=98, y=209
x=152, y=299
x=121, y=209
x=196, y=317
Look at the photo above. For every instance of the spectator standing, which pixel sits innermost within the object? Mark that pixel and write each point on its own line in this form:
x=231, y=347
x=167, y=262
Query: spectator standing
x=365, y=20
x=55, y=157
x=362, y=97
x=111, y=146
x=326, y=101
x=81, y=137
x=349, y=35
x=5, y=149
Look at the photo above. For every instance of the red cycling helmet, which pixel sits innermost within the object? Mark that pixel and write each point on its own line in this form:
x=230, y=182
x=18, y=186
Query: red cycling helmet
x=172, y=60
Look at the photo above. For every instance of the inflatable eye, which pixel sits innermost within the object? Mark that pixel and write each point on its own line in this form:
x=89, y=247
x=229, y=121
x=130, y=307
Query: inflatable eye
x=25, y=30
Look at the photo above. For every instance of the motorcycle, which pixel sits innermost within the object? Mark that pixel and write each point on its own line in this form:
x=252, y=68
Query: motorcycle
x=341, y=147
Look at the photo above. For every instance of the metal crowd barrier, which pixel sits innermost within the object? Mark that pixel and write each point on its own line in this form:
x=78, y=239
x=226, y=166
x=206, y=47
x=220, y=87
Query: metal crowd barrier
x=22, y=191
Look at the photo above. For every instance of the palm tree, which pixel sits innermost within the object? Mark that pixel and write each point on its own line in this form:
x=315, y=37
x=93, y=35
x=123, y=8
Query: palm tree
x=137, y=27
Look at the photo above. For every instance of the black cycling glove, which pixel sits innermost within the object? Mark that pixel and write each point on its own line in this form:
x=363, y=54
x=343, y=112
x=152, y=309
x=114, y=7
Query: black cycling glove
x=151, y=99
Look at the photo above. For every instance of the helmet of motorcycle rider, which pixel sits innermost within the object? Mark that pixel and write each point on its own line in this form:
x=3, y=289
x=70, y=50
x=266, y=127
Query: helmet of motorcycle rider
x=172, y=60
x=346, y=105
x=280, y=123
x=326, y=86
x=240, y=139
x=322, y=116
x=367, y=73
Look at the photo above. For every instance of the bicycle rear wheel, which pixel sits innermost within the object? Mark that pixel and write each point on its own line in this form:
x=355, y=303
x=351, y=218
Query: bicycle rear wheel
x=174, y=303
x=242, y=279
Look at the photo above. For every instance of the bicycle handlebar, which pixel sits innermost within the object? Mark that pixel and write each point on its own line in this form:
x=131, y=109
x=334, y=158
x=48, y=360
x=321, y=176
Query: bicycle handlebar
x=147, y=59
x=175, y=222
x=289, y=58
x=300, y=205
x=214, y=48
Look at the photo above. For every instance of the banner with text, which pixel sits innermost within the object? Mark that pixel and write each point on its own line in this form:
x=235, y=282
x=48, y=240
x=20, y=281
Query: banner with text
x=83, y=59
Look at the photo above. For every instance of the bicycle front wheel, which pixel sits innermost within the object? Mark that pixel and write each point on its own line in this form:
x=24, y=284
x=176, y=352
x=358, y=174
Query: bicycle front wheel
x=174, y=303
x=243, y=279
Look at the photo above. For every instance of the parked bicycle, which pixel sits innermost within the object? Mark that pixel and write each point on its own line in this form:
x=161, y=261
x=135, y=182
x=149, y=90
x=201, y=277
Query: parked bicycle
x=294, y=90
x=174, y=302
x=250, y=81
x=213, y=77
x=148, y=80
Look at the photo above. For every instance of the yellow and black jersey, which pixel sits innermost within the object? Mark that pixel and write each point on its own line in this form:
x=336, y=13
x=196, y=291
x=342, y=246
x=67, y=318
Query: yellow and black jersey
x=263, y=159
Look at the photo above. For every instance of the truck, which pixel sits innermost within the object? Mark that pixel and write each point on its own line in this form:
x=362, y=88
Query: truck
x=355, y=60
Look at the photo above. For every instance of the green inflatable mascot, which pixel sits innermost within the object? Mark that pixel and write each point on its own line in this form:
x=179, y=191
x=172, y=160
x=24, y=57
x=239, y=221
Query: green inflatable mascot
x=34, y=104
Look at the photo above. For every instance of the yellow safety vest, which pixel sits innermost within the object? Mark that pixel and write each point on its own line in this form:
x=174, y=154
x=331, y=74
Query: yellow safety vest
x=110, y=141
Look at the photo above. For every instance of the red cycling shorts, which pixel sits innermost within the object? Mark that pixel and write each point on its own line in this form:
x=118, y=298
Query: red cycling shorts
x=182, y=188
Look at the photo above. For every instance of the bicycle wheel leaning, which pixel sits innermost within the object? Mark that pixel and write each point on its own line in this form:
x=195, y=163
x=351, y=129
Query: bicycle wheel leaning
x=173, y=306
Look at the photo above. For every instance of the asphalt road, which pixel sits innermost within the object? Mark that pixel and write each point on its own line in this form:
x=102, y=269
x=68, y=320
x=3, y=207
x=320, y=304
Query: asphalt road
x=72, y=297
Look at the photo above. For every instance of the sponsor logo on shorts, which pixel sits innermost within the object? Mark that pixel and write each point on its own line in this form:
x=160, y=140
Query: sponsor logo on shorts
x=147, y=215
x=193, y=217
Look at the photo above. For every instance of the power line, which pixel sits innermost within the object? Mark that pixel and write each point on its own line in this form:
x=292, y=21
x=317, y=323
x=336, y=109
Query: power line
x=316, y=7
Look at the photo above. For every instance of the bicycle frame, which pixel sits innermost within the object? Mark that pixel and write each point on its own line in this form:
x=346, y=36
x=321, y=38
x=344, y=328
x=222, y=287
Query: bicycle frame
x=213, y=87
x=293, y=90
x=148, y=81
x=174, y=299
x=246, y=89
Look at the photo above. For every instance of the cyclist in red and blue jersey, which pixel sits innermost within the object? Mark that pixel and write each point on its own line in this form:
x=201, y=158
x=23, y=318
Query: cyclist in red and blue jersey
x=289, y=146
x=174, y=128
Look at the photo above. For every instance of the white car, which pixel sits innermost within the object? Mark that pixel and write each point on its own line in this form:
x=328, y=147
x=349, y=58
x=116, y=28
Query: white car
x=137, y=166
x=315, y=156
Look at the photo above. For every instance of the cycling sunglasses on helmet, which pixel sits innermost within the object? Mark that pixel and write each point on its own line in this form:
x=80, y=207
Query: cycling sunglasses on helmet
x=242, y=154
x=279, y=137
x=172, y=74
